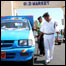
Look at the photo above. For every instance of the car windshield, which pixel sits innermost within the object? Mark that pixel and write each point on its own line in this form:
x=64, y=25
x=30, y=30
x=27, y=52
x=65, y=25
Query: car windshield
x=15, y=25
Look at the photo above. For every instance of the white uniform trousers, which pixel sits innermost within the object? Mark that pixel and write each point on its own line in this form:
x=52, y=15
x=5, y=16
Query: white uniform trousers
x=49, y=41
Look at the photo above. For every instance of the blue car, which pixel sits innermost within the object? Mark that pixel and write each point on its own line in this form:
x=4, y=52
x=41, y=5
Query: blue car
x=17, y=40
x=60, y=37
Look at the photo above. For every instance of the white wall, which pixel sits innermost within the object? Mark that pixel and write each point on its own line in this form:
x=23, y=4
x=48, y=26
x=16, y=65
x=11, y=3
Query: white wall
x=6, y=9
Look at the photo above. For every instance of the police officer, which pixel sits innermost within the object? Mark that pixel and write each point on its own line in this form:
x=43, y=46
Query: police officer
x=41, y=46
x=48, y=29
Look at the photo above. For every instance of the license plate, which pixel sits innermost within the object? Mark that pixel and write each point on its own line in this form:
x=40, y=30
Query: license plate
x=3, y=55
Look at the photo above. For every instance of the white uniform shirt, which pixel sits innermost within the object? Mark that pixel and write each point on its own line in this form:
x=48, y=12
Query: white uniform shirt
x=50, y=27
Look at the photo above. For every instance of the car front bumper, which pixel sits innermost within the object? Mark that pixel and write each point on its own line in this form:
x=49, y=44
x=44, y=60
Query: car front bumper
x=17, y=54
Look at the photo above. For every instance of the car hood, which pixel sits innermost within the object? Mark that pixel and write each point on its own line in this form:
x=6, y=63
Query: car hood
x=14, y=34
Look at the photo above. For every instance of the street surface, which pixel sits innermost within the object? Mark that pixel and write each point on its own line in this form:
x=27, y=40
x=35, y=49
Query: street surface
x=59, y=56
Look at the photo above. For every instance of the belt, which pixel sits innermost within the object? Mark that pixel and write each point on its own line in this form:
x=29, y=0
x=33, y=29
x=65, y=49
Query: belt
x=48, y=33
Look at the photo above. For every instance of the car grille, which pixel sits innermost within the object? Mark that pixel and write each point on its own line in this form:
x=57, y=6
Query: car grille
x=10, y=55
x=7, y=43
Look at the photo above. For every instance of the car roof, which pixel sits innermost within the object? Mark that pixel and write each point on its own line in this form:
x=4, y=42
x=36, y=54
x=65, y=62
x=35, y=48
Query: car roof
x=14, y=20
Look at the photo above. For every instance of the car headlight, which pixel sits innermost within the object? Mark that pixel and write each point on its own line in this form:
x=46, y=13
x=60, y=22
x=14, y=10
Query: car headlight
x=30, y=42
x=23, y=43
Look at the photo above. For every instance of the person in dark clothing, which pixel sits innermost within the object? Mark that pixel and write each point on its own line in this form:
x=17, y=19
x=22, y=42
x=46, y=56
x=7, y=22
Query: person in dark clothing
x=41, y=45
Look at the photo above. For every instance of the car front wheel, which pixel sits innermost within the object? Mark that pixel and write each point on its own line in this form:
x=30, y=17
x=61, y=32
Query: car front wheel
x=59, y=43
x=31, y=62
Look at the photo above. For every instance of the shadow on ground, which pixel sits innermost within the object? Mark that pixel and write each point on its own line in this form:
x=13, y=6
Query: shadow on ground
x=37, y=62
x=13, y=62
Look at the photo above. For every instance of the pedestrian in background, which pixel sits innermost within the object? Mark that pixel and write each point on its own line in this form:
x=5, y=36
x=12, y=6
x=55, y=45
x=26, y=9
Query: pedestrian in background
x=41, y=45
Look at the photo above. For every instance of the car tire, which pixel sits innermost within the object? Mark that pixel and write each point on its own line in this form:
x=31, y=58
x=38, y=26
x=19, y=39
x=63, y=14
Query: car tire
x=31, y=62
x=59, y=43
x=63, y=41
